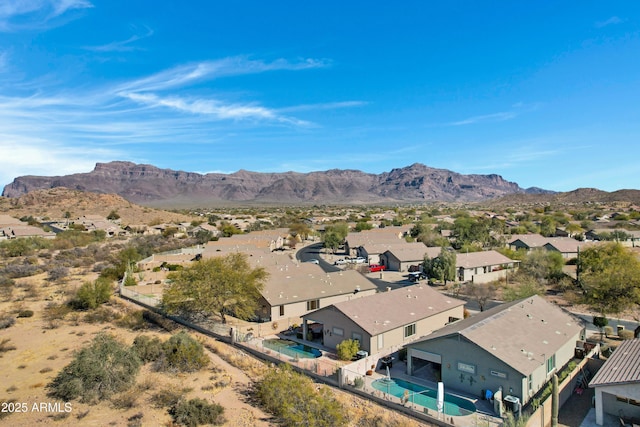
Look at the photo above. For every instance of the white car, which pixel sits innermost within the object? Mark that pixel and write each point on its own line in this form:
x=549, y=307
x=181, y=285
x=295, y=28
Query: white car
x=340, y=261
x=314, y=261
x=360, y=260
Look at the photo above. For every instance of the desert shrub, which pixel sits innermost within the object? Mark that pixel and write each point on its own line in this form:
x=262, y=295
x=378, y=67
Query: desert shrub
x=14, y=271
x=5, y=346
x=347, y=349
x=25, y=313
x=182, y=353
x=166, y=398
x=195, y=412
x=6, y=287
x=608, y=331
x=101, y=315
x=159, y=320
x=57, y=273
x=133, y=320
x=147, y=348
x=626, y=334
x=293, y=398
x=92, y=294
x=6, y=321
x=54, y=313
x=125, y=400
x=98, y=371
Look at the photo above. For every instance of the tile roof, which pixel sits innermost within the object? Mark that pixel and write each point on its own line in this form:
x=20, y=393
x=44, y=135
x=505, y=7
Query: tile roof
x=623, y=367
x=481, y=259
x=520, y=333
x=386, y=311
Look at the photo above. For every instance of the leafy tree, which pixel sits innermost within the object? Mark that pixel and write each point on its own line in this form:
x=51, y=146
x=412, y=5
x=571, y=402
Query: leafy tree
x=600, y=322
x=300, y=229
x=526, y=287
x=610, y=278
x=482, y=293
x=227, y=229
x=363, y=226
x=347, y=349
x=103, y=368
x=442, y=267
x=332, y=240
x=542, y=265
x=295, y=400
x=220, y=285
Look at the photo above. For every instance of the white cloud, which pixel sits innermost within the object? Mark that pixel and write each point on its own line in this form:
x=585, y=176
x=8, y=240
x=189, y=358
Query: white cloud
x=323, y=106
x=495, y=117
x=184, y=75
x=611, y=21
x=16, y=15
x=123, y=45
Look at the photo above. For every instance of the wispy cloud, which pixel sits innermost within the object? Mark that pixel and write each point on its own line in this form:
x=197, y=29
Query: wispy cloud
x=123, y=45
x=611, y=21
x=322, y=106
x=495, y=117
x=188, y=74
x=214, y=108
x=16, y=15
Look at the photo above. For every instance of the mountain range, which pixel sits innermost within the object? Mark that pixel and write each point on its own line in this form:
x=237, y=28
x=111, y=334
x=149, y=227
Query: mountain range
x=152, y=186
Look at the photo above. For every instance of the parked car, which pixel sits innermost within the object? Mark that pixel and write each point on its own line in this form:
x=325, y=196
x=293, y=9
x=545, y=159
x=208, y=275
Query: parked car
x=414, y=268
x=414, y=277
x=377, y=267
x=313, y=261
x=360, y=260
x=340, y=261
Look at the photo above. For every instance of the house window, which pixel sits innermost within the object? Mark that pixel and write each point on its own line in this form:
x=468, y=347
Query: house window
x=453, y=319
x=530, y=382
x=356, y=337
x=551, y=363
x=409, y=330
x=338, y=331
x=380, y=341
x=313, y=305
x=467, y=367
x=499, y=374
x=282, y=310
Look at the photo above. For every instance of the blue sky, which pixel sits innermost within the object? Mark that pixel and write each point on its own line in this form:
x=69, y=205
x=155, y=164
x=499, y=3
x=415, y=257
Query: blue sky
x=545, y=93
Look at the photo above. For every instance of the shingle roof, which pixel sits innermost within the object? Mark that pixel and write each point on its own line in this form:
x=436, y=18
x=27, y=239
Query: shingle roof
x=386, y=311
x=412, y=251
x=521, y=333
x=623, y=367
x=531, y=240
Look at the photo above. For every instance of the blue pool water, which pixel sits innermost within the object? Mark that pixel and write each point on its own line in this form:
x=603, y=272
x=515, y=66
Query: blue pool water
x=292, y=349
x=424, y=396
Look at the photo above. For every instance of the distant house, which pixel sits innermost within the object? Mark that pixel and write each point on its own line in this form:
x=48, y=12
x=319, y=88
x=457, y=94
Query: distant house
x=23, y=231
x=402, y=256
x=527, y=241
x=483, y=267
x=568, y=247
x=515, y=347
x=617, y=384
x=386, y=320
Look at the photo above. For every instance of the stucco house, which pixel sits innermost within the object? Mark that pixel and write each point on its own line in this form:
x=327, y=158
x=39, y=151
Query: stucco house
x=483, y=267
x=527, y=241
x=514, y=347
x=568, y=247
x=387, y=320
x=617, y=384
x=402, y=256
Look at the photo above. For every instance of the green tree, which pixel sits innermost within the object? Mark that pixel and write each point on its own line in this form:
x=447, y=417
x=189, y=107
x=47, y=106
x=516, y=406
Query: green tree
x=220, y=285
x=442, y=267
x=363, y=226
x=300, y=229
x=542, y=265
x=103, y=368
x=610, y=278
x=182, y=353
x=347, y=349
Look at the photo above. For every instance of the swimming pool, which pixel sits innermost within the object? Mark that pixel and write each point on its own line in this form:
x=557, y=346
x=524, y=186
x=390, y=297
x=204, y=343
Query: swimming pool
x=424, y=396
x=292, y=349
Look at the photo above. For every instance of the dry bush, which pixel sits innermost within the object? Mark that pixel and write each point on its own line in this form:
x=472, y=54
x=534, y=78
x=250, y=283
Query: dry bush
x=253, y=367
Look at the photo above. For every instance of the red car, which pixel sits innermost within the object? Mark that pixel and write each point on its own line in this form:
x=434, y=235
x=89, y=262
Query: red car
x=377, y=267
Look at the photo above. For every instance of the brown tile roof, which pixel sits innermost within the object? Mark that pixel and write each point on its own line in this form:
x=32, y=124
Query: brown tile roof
x=531, y=240
x=623, y=367
x=386, y=311
x=521, y=333
x=481, y=259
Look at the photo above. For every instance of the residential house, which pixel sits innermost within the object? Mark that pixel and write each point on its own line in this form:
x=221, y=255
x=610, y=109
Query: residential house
x=401, y=257
x=617, y=384
x=483, y=267
x=386, y=320
x=568, y=247
x=527, y=241
x=23, y=230
x=357, y=242
x=514, y=347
